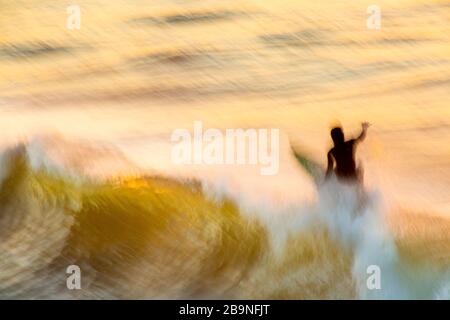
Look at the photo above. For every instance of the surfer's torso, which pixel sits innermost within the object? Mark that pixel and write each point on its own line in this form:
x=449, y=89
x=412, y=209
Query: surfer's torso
x=343, y=155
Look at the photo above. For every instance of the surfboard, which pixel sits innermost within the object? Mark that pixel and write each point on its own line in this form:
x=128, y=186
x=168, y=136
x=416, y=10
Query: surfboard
x=312, y=167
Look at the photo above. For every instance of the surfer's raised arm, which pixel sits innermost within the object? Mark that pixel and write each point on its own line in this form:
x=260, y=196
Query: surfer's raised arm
x=363, y=134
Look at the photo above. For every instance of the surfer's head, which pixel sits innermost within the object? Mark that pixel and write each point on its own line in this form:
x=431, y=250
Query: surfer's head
x=337, y=135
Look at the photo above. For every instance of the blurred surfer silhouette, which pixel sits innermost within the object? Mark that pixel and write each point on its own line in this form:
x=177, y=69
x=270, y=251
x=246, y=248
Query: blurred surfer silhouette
x=341, y=157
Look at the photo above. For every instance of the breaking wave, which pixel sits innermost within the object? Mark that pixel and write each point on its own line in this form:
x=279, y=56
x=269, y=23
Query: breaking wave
x=146, y=236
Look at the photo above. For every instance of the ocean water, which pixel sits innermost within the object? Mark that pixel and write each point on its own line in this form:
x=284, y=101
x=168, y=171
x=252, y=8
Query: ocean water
x=87, y=178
